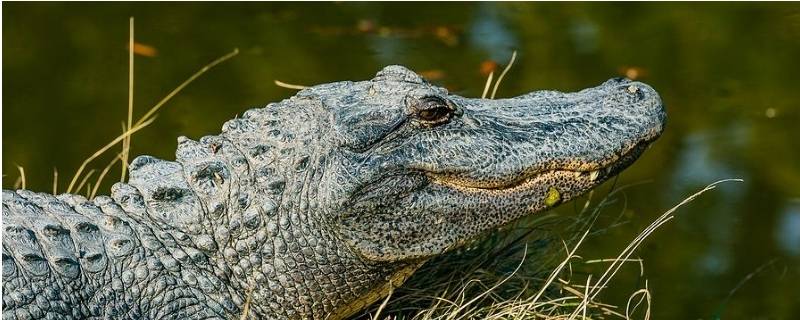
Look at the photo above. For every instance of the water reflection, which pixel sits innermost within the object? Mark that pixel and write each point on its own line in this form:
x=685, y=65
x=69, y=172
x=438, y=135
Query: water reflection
x=697, y=164
x=584, y=36
x=789, y=229
x=489, y=33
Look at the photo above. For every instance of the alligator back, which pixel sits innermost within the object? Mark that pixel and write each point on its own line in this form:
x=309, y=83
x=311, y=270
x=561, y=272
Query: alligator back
x=67, y=257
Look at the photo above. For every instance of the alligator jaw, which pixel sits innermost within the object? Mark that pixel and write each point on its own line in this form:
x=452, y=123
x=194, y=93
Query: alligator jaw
x=588, y=173
x=525, y=183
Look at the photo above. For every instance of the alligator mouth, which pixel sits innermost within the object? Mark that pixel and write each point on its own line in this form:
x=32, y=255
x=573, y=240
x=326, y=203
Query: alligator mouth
x=523, y=183
x=586, y=172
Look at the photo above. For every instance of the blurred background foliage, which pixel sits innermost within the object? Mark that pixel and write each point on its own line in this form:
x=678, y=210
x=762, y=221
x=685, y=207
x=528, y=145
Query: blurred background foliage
x=727, y=72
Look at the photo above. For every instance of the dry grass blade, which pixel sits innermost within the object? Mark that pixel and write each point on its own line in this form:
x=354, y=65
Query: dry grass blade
x=104, y=149
x=475, y=284
x=557, y=270
x=645, y=293
x=289, y=86
x=586, y=293
x=383, y=304
x=21, y=176
x=246, y=308
x=487, y=85
x=186, y=82
x=503, y=74
x=739, y=285
x=103, y=174
x=125, y=149
x=55, y=181
x=628, y=251
x=149, y=116
x=640, y=261
x=85, y=178
x=489, y=290
x=126, y=144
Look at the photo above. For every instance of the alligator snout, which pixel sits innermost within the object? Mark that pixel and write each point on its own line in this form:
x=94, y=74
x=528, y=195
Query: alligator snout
x=624, y=92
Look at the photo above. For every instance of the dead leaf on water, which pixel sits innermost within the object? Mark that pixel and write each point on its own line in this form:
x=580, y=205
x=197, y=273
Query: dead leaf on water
x=433, y=74
x=632, y=72
x=446, y=35
x=487, y=67
x=366, y=25
x=144, y=50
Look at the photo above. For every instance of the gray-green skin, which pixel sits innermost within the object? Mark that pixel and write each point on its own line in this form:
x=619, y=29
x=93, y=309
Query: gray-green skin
x=316, y=205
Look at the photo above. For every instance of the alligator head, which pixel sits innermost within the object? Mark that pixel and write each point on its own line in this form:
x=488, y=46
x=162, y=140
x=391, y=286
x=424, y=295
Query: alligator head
x=413, y=171
x=420, y=171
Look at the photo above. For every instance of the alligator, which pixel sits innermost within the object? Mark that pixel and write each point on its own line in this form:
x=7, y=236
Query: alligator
x=316, y=206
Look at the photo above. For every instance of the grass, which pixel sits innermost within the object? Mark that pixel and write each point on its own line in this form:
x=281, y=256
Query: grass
x=20, y=183
x=289, y=85
x=489, y=79
x=126, y=143
x=502, y=75
x=526, y=273
x=129, y=128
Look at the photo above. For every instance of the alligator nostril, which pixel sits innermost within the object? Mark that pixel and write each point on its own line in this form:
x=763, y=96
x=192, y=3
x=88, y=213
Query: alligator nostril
x=634, y=90
x=621, y=80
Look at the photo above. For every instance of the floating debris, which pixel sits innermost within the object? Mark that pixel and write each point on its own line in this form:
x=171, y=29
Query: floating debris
x=432, y=75
x=487, y=67
x=633, y=73
x=144, y=50
x=289, y=85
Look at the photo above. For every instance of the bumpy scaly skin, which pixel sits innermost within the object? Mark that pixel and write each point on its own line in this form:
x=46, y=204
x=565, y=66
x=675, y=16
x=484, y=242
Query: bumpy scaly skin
x=315, y=206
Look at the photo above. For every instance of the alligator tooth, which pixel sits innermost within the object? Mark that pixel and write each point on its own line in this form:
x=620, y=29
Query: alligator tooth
x=593, y=175
x=577, y=173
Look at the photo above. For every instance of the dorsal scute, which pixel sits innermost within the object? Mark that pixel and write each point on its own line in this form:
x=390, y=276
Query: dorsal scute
x=129, y=199
x=207, y=173
x=255, y=133
x=64, y=234
x=9, y=265
x=20, y=239
x=168, y=198
x=89, y=240
x=23, y=224
x=220, y=173
x=57, y=244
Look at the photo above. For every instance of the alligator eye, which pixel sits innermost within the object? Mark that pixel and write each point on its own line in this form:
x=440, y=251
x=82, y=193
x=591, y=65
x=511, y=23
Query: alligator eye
x=434, y=115
x=433, y=110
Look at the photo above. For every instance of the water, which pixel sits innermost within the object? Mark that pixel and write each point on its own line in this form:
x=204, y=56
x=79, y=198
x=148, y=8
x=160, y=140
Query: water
x=727, y=72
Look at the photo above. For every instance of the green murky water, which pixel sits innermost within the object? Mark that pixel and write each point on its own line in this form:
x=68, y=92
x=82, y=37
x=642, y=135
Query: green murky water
x=728, y=73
